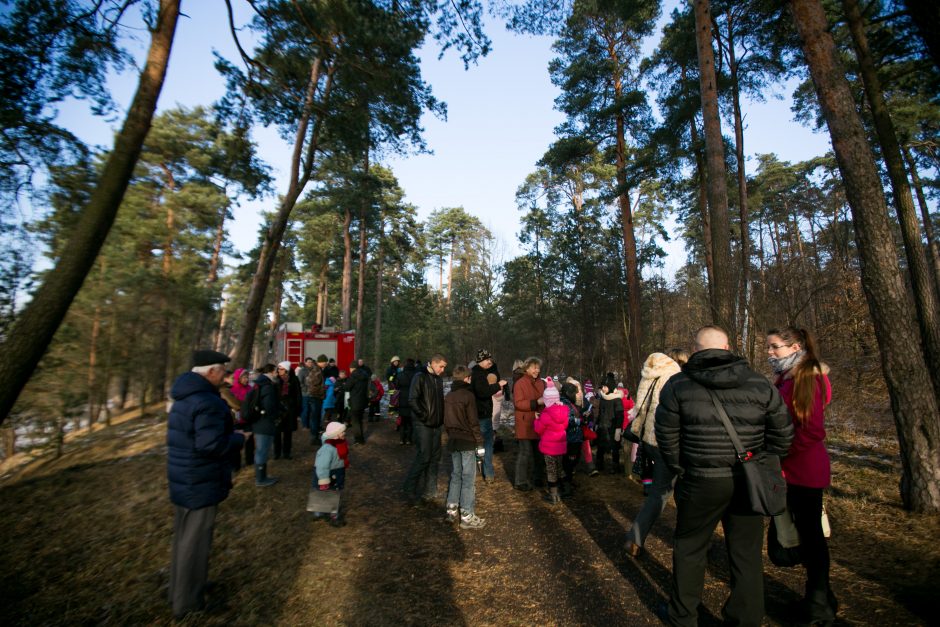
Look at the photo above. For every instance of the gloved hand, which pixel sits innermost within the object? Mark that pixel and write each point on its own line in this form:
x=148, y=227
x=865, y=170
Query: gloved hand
x=481, y=452
x=617, y=434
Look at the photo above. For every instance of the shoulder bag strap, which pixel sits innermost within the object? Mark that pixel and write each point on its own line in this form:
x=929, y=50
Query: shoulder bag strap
x=648, y=401
x=743, y=455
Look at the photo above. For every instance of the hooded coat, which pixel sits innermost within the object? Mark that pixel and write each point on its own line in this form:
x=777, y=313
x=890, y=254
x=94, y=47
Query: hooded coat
x=657, y=369
x=690, y=434
x=551, y=426
x=460, y=418
x=202, y=447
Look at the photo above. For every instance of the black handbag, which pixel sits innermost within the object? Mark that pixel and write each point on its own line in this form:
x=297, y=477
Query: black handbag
x=766, y=487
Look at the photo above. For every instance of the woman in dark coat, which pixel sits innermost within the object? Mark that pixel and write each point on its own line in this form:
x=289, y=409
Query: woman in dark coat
x=291, y=402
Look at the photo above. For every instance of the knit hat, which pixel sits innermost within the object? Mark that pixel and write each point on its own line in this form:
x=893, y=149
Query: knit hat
x=395, y=358
x=483, y=355
x=550, y=395
x=334, y=431
x=285, y=365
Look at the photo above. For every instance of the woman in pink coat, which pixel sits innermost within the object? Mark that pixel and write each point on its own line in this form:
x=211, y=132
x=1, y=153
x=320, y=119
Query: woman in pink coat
x=803, y=382
x=553, y=442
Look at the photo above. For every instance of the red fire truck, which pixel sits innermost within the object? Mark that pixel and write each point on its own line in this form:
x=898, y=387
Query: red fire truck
x=295, y=343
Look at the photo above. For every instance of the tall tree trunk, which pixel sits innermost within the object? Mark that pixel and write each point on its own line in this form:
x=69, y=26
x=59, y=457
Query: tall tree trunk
x=928, y=313
x=915, y=412
x=379, y=263
x=723, y=291
x=166, y=268
x=36, y=325
x=631, y=265
x=321, y=293
x=361, y=287
x=744, y=212
x=93, y=366
x=702, y=181
x=347, y=270
x=220, y=332
x=450, y=268
x=301, y=170
x=933, y=247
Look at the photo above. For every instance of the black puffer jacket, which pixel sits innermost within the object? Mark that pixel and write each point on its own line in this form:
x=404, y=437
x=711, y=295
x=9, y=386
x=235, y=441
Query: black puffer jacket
x=270, y=406
x=690, y=434
x=426, y=398
x=483, y=390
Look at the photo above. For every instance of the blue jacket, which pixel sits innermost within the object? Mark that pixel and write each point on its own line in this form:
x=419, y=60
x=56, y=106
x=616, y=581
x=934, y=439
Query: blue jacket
x=330, y=401
x=201, y=444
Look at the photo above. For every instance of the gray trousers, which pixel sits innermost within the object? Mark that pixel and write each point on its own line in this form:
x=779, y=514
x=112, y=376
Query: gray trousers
x=189, y=566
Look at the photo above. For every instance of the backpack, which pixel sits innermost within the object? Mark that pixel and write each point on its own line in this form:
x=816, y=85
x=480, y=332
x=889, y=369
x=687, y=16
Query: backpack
x=251, y=408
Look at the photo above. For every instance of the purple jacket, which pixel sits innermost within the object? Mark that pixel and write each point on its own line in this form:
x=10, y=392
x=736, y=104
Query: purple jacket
x=807, y=463
x=551, y=425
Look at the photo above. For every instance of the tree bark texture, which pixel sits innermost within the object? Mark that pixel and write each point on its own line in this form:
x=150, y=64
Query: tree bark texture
x=723, y=291
x=915, y=409
x=37, y=323
x=301, y=169
x=379, y=263
x=928, y=314
x=744, y=211
x=933, y=247
x=347, y=270
x=361, y=287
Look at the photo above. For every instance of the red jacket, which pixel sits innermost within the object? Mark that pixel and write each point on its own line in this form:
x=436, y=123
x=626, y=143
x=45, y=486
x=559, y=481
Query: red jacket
x=807, y=463
x=525, y=395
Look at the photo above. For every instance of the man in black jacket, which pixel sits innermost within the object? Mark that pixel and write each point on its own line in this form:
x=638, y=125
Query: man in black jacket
x=694, y=443
x=485, y=382
x=426, y=400
x=358, y=387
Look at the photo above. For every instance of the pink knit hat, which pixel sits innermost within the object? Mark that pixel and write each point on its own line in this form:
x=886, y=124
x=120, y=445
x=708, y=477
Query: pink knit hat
x=550, y=396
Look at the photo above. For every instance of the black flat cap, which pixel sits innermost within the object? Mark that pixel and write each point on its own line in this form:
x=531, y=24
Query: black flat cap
x=208, y=358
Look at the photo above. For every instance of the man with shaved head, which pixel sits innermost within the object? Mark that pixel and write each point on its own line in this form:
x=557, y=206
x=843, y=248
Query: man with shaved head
x=711, y=488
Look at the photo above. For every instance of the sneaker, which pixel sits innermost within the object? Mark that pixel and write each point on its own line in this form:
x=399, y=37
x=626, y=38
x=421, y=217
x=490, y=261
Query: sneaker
x=452, y=513
x=471, y=521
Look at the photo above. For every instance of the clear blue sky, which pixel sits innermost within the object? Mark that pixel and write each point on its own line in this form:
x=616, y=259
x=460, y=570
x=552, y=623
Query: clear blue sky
x=500, y=122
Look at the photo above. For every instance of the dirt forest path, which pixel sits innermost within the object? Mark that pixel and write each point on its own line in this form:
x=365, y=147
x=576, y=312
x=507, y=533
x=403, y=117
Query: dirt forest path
x=88, y=543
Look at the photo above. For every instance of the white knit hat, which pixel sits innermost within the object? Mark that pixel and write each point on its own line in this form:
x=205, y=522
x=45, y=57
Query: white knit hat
x=285, y=365
x=334, y=430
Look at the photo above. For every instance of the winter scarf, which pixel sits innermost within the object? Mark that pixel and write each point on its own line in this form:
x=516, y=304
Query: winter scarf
x=782, y=364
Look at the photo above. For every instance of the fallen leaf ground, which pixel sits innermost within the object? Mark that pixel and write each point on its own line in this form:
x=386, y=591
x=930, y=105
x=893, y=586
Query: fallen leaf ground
x=86, y=540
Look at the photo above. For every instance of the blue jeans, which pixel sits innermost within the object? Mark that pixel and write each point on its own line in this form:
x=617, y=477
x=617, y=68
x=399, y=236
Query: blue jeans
x=461, y=489
x=262, y=448
x=486, y=428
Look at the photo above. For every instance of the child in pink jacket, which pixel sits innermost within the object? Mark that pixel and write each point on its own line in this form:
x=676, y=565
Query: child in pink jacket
x=553, y=442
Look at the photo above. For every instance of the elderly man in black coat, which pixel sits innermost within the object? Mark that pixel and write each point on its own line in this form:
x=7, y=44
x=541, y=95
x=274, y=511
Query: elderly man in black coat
x=202, y=450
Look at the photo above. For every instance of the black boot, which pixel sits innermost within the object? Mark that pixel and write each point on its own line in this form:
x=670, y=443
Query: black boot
x=552, y=497
x=262, y=480
x=566, y=489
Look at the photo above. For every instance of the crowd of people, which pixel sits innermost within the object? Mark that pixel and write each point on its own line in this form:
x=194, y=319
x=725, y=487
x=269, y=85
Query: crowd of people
x=668, y=435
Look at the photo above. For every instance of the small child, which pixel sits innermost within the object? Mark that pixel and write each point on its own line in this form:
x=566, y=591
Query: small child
x=551, y=425
x=465, y=441
x=331, y=464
